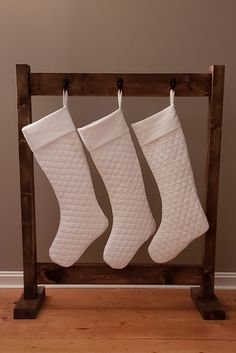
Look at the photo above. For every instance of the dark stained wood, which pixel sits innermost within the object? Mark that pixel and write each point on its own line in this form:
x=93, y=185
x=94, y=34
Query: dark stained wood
x=29, y=308
x=49, y=273
x=209, y=307
x=26, y=183
x=93, y=84
x=188, y=85
x=213, y=168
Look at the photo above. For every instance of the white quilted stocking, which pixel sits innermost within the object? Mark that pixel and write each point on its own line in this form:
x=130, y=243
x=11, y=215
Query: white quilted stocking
x=113, y=153
x=163, y=143
x=58, y=150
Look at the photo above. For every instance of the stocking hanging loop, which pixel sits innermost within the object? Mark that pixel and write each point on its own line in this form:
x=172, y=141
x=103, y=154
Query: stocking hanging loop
x=119, y=98
x=172, y=97
x=65, y=98
x=65, y=92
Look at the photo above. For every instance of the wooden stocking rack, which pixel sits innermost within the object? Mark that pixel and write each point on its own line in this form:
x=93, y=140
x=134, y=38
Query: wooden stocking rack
x=187, y=85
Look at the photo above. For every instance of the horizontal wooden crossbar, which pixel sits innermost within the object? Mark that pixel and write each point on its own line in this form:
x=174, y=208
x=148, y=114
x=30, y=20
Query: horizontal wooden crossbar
x=49, y=273
x=209, y=85
x=100, y=84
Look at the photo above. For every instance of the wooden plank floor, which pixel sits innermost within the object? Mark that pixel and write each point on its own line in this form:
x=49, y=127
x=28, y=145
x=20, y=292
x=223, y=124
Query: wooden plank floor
x=117, y=320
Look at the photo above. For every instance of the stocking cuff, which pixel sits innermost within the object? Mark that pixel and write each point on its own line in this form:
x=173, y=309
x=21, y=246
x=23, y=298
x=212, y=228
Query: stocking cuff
x=103, y=130
x=48, y=129
x=156, y=125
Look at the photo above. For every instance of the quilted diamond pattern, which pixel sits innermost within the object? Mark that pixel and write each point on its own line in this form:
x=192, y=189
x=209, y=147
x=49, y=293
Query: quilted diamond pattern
x=132, y=220
x=183, y=218
x=82, y=220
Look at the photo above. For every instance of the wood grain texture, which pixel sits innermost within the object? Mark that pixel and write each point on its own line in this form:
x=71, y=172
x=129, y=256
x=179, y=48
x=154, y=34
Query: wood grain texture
x=213, y=171
x=116, y=345
x=26, y=183
x=105, y=84
x=29, y=308
x=189, y=85
x=48, y=273
x=209, y=307
x=117, y=320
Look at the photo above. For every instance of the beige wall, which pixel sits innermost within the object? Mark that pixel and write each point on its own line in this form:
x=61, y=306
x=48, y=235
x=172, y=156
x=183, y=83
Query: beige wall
x=115, y=36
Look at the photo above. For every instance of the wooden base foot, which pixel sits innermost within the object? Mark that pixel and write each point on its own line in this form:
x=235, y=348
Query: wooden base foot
x=28, y=308
x=209, y=308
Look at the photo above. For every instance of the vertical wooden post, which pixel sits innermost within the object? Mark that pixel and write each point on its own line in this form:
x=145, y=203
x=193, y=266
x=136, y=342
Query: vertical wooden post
x=33, y=296
x=214, y=149
x=204, y=297
x=26, y=183
x=27, y=200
